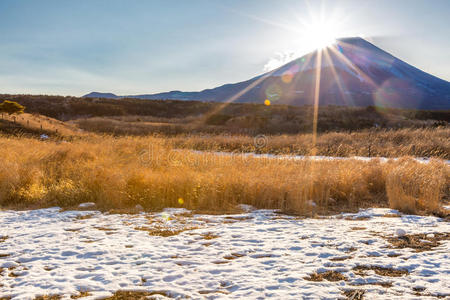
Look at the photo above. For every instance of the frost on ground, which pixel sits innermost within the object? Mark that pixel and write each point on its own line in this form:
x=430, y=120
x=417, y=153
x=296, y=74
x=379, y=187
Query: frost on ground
x=257, y=254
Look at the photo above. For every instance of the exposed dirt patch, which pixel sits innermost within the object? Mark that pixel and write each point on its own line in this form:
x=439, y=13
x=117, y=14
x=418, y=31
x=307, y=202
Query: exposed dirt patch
x=262, y=255
x=104, y=228
x=385, y=284
x=358, y=228
x=13, y=274
x=394, y=254
x=420, y=292
x=382, y=271
x=3, y=255
x=213, y=292
x=340, y=258
x=136, y=295
x=220, y=262
x=360, y=218
x=3, y=238
x=233, y=256
x=420, y=242
x=419, y=288
x=88, y=241
x=351, y=249
x=155, y=219
x=80, y=295
x=84, y=217
x=209, y=236
x=205, y=220
x=47, y=268
x=48, y=297
x=391, y=216
x=328, y=275
x=72, y=229
x=354, y=294
x=186, y=214
x=164, y=231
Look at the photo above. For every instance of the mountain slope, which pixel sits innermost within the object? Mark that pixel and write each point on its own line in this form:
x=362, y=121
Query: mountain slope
x=353, y=72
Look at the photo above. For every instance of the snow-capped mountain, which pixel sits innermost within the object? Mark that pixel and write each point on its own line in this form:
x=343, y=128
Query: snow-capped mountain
x=353, y=72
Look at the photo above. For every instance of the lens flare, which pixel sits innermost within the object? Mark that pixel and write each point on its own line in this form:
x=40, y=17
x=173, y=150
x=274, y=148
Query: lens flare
x=287, y=76
x=180, y=201
x=166, y=217
x=388, y=94
x=273, y=92
x=267, y=102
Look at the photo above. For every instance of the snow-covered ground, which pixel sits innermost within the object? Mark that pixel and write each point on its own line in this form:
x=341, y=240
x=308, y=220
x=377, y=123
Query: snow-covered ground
x=258, y=254
x=312, y=157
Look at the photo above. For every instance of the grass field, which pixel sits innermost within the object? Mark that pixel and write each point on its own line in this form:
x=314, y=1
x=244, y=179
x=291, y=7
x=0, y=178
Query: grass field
x=418, y=142
x=123, y=172
x=148, y=159
x=371, y=143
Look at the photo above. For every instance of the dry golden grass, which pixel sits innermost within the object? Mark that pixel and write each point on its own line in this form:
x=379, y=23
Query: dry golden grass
x=36, y=122
x=431, y=142
x=124, y=172
x=410, y=188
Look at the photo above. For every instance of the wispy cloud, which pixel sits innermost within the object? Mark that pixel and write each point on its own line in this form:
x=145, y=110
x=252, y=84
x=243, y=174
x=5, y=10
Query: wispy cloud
x=279, y=59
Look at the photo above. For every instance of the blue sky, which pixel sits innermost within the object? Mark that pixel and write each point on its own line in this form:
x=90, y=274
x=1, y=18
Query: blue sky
x=144, y=46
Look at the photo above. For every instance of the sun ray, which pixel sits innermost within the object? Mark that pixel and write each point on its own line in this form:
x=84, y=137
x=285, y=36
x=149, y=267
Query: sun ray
x=352, y=65
x=316, y=101
x=237, y=95
x=250, y=86
x=336, y=76
x=319, y=30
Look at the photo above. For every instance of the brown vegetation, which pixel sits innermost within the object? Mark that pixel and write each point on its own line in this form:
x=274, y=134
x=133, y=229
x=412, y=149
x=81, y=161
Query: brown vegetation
x=354, y=294
x=136, y=295
x=344, y=131
x=48, y=297
x=35, y=125
x=420, y=242
x=164, y=231
x=384, y=143
x=382, y=271
x=124, y=172
x=248, y=118
x=328, y=275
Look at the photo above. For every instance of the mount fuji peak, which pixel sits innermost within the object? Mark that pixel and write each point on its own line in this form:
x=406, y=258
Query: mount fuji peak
x=352, y=72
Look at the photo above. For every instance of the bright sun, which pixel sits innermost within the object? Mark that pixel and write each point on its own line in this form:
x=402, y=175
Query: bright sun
x=320, y=34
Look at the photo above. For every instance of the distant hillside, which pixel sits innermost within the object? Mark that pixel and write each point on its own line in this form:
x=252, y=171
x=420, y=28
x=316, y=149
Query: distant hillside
x=35, y=125
x=173, y=116
x=353, y=72
x=101, y=95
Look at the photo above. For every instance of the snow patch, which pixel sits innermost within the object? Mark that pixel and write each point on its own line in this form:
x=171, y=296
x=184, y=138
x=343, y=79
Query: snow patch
x=257, y=254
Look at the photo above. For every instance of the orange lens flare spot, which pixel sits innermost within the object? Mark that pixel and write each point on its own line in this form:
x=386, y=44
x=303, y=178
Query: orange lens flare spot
x=267, y=102
x=180, y=201
x=287, y=77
